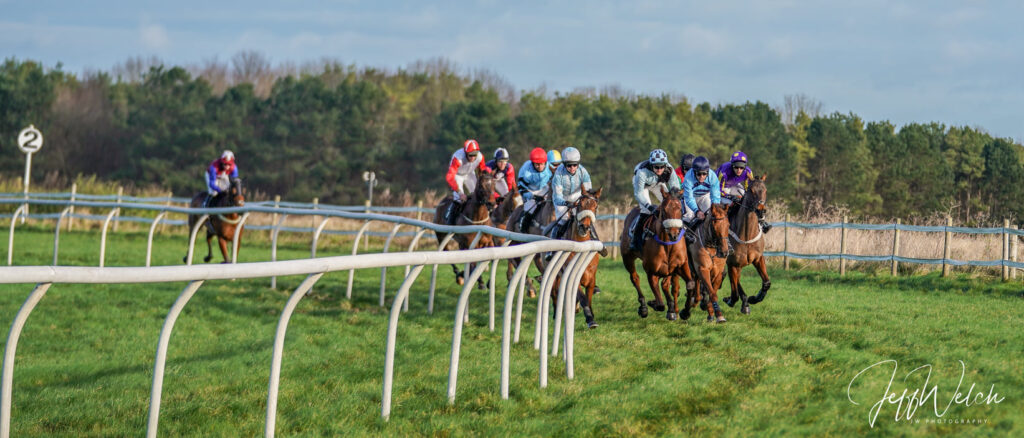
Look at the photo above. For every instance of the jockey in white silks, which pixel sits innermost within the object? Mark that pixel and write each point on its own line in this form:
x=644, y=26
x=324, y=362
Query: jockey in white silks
x=566, y=185
x=654, y=173
x=219, y=175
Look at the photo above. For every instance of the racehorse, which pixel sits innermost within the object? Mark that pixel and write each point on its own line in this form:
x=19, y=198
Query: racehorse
x=543, y=215
x=475, y=211
x=708, y=266
x=501, y=213
x=581, y=229
x=748, y=244
x=663, y=255
x=220, y=225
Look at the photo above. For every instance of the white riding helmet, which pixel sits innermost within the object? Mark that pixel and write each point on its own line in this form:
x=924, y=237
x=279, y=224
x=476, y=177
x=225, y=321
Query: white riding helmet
x=228, y=156
x=571, y=155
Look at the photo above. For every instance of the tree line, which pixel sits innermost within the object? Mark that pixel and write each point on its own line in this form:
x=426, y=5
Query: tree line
x=312, y=131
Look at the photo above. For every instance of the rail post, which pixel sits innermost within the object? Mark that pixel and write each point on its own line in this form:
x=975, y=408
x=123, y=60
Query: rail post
x=419, y=208
x=71, y=213
x=1006, y=249
x=615, y=227
x=1013, y=254
x=120, y=194
x=842, y=248
x=785, y=244
x=896, y=247
x=945, y=246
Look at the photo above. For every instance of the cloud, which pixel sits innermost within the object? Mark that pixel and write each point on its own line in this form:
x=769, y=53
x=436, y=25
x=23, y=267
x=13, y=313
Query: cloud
x=695, y=38
x=154, y=36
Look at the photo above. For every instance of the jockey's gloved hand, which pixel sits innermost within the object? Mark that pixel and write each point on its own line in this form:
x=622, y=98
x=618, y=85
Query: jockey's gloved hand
x=457, y=197
x=646, y=208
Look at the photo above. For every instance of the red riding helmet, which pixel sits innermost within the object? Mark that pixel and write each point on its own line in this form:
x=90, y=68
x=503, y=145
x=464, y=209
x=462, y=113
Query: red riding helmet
x=471, y=146
x=538, y=156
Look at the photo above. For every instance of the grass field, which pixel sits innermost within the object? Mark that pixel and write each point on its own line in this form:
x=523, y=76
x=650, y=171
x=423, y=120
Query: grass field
x=85, y=358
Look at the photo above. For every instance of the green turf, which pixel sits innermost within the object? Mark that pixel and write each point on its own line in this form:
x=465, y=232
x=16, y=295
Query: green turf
x=84, y=363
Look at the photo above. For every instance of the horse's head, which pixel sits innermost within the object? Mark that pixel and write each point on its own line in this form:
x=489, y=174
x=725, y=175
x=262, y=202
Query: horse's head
x=670, y=213
x=236, y=196
x=718, y=219
x=756, y=195
x=484, y=191
x=586, y=211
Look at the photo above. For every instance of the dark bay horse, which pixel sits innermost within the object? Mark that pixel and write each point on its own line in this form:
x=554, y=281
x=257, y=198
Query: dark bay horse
x=663, y=254
x=220, y=225
x=475, y=211
x=707, y=256
x=748, y=244
x=506, y=205
x=543, y=215
x=580, y=229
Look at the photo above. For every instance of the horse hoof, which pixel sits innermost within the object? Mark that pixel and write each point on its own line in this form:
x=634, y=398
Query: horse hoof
x=660, y=307
x=459, y=281
x=671, y=316
x=531, y=293
x=184, y=259
x=711, y=319
x=753, y=300
x=592, y=325
x=642, y=311
x=721, y=319
x=745, y=310
x=729, y=302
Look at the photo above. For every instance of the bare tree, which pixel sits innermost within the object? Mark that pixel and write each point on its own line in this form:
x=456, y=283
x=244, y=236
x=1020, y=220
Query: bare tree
x=795, y=103
x=252, y=67
x=214, y=72
x=134, y=69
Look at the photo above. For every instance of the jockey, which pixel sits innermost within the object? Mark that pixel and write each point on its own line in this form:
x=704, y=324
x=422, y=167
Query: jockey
x=533, y=183
x=700, y=189
x=566, y=187
x=219, y=175
x=461, y=176
x=554, y=159
x=504, y=173
x=735, y=176
x=651, y=174
x=684, y=166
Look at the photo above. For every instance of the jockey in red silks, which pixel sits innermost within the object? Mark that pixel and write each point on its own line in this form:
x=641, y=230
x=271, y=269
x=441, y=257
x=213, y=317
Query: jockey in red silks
x=219, y=175
x=504, y=174
x=461, y=176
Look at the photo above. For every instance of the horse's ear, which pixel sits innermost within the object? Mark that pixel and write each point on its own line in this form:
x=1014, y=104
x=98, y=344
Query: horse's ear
x=664, y=193
x=597, y=194
x=763, y=177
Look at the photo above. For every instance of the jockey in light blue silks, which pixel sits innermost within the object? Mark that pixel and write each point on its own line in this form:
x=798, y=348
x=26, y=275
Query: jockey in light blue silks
x=652, y=174
x=701, y=188
x=219, y=175
x=533, y=185
x=566, y=185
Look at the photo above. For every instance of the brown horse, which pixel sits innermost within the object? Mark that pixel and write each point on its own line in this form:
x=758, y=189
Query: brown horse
x=580, y=229
x=708, y=262
x=220, y=225
x=475, y=211
x=663, y=254
x=501, y=213
x=543, y=215
x=748, y=244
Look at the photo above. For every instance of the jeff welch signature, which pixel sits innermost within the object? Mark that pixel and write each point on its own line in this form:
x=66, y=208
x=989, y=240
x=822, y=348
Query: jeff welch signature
x=909, y=400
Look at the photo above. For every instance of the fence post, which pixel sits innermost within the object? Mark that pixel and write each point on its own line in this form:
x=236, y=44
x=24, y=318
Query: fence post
x=120, y=193
x=71, y=213
x=1013, y=254
x=273, y=217
x=366, y=241
x=785, y=244
x=419, y=207
x=167, y=203
x=1006, y=249
x=842, y=248
x=316, y=206
x=615, y=228
x=945, y=246
x=896, y=246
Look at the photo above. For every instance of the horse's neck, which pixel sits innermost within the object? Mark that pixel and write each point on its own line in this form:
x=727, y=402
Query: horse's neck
x=479, y=210
x=746, y=226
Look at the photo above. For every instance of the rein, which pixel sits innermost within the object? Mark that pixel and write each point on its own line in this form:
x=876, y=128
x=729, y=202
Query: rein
x=744, y=206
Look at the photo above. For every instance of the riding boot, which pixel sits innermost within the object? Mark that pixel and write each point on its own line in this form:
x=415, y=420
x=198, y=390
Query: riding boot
x=765, y=226
x=688, y=232
x=453, y=209
x=206, y=202
x=638, y=232
x=525, y=221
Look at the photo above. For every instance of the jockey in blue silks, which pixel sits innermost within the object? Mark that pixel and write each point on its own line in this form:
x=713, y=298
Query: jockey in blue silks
x=533, y=185
x=653, y=173
x=701, y=188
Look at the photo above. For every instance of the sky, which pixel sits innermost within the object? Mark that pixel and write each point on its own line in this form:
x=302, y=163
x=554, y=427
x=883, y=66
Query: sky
x=954, y=62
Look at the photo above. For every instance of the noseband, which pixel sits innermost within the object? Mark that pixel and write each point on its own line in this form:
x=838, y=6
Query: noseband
x=666, y=224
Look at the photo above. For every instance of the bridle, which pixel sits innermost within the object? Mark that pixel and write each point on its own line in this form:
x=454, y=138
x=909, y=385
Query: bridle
x=581, y=213
x=669, y=223
x=488, y=202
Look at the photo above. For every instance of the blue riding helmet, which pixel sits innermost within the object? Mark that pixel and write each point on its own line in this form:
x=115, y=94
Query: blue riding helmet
x=701, y=164
x=658, y=158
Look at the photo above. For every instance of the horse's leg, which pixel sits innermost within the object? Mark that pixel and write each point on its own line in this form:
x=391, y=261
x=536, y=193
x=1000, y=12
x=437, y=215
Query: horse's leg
x=630, y=263
x=209, y=249
x=191, y=223
x=734, y=286
x=717, y=284
x=458, y=275
x=586, y=300
x=766, y=283
x=658, y=303
x=706, y=298
x=223, y=248
x=672, y=299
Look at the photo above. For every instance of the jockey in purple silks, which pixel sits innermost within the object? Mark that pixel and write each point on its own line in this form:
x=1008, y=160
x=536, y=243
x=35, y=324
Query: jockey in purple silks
x=735, y=175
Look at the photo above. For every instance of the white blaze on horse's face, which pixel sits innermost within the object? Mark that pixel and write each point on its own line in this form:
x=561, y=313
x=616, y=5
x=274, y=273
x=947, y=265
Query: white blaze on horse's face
x=672, y=223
